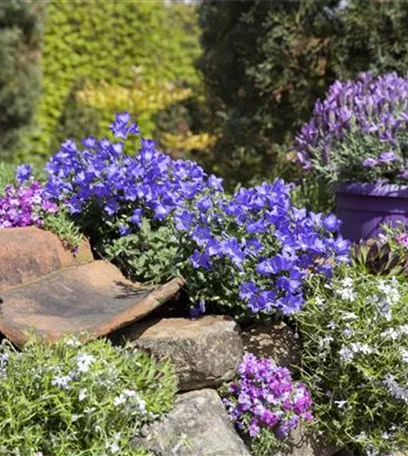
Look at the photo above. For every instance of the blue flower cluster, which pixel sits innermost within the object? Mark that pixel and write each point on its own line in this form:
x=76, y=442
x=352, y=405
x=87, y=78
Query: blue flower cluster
x=370, y=116
x=253, y=244
x=267, y=245
x=151, y=183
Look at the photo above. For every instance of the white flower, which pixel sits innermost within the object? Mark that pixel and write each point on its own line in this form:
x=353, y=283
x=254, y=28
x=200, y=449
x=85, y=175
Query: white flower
x=129, y=393
x=404, y=330
x=84, y=362
x=73, y=342
x=340, y=404
x=332, y=325
x=113, y=447
x=347, y=282
x=361, y=436
x=396, y=390
x=3, y=360
x=347, y=294
x=390, y=333
x=349, y=316
x=348, y=332
x=323, y=342
x=119, y=400
x=404, y=355
x=142, y=405
x=319, y=301
x=82, y=395
x=346, y=354
x=385, y=309
x=358, y=347
x=89, y=410
x=61, y=381
x=390, y=292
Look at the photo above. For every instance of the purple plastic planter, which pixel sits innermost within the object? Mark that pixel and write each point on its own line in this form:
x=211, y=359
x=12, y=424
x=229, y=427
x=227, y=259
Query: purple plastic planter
x=363, y=207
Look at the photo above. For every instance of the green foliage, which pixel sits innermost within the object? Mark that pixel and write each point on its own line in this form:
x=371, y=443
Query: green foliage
x=147, y=255
x=312, y=195
x=72, y=400
x=266, y=62
x=61, y=224
x=267, y=443
x=354, y=358
x=397, y=237
x=7, y=173
x=94, y=41
x=20, y=39
x=377, y=257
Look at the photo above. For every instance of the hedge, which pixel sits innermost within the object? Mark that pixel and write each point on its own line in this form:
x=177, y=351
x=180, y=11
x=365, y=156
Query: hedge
x=92, y=41
x=20, y=40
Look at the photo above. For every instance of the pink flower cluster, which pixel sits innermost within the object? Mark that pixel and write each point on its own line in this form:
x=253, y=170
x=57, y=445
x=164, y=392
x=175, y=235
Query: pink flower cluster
x=402, y=239
x=24, y=205
x=265, y=396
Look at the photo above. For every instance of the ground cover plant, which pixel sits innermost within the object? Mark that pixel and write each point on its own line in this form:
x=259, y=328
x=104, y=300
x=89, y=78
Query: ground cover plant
x=83, y=400
x=24, y=203
x=354, y=336
x=246, y=253
x=359, y=132
x=265, y=404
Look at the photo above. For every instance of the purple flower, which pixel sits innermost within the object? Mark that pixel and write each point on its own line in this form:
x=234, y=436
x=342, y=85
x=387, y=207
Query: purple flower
x=204, y=204
x=198, y=310
x=360, y=116
x=200, y=260
x=265, y=397
x=121, y=128
x=256, y=232
x=136, y=217
x=247, y=290
x=331, y=223
x=90, y=142
x=124, y=230
x=24, y=206
x=402, y=239
x=369, y=162
x=388, y=157
x=23, y=173
x=232, y=249
x=183, y=220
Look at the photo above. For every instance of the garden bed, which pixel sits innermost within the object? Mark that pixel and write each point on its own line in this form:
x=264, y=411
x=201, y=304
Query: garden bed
x=271, y=336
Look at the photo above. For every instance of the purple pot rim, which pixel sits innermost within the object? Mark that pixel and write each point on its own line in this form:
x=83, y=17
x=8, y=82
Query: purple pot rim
x=372, y=189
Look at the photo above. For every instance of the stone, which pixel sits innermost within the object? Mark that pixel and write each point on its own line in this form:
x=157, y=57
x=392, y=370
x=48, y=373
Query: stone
x=27, y=254
x=205, y=351
x=277, y=341
x=198, y=425
x=305, y=442
x=89, y=300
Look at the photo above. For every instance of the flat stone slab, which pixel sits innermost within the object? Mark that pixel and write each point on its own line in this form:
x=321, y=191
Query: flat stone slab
x=26, y=254
x=91, y=299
